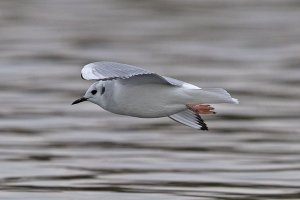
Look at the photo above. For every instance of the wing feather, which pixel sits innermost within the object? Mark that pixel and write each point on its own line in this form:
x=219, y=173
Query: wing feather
x=189, y=118
x=111, y=70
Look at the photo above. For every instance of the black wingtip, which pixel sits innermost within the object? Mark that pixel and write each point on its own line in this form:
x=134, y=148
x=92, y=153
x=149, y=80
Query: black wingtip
x=204, y=128
x=201, y=123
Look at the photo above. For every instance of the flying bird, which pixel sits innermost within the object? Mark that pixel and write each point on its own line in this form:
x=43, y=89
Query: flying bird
x=129, y=90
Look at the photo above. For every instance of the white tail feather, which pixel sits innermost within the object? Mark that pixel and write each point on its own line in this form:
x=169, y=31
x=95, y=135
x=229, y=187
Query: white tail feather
x=211, y=95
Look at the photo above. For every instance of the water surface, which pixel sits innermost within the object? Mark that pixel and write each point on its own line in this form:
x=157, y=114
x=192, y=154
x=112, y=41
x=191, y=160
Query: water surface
x=51, y=150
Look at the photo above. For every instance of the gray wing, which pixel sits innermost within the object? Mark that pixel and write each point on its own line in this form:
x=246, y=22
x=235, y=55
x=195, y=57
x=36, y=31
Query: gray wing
x=189, y=118
x=111, y=70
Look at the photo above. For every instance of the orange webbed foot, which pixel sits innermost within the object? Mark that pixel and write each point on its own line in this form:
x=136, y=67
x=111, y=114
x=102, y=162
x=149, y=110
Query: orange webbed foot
x=201, y=108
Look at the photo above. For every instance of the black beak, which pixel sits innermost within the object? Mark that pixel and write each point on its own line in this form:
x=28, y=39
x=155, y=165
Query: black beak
x=79, y=100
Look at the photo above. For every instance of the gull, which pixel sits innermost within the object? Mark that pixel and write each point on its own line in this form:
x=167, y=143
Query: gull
x=129, y=90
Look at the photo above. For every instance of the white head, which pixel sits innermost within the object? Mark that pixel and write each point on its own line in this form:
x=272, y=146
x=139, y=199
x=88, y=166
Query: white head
x=94, y=94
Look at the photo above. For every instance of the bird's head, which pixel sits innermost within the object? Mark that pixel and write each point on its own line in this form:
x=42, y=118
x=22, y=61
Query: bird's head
x=94, y=94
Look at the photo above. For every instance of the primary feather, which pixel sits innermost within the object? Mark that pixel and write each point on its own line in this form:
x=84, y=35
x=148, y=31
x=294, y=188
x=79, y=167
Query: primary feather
x=189, y=118
x=111, y=70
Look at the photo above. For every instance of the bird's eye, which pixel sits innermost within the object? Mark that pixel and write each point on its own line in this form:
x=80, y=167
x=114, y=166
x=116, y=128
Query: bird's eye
x=103, y=90
x=94, y=92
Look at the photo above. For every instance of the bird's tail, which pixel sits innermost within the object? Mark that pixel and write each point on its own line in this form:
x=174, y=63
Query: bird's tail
x=210, y=96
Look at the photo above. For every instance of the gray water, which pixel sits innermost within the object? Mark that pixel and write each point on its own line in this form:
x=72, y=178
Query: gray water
x=52, y=150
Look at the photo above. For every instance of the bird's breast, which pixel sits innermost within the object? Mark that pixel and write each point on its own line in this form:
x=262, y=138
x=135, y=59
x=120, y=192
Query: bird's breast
x=145, y=101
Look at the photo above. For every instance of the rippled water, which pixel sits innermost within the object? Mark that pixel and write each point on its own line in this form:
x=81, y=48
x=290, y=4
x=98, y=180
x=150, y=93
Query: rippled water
x=51, y=150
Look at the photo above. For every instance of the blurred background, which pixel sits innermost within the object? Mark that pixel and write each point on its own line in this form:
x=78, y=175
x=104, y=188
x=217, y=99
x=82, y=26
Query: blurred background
x=52, y=150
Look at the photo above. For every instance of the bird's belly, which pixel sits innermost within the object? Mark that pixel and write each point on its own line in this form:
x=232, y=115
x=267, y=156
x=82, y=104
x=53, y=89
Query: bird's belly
x=149, y=111
x=147, y=101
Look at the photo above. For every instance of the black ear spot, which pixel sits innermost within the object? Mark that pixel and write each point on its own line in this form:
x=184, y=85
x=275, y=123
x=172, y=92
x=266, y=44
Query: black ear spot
x=103, y=90
x=94, y=92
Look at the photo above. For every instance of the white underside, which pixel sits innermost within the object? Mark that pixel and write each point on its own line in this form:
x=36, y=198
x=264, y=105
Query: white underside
x=156, y=100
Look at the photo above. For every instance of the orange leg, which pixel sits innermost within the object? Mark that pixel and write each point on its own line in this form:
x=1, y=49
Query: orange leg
x=201, y=108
